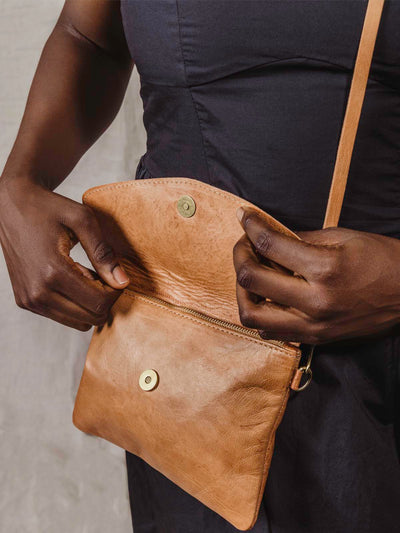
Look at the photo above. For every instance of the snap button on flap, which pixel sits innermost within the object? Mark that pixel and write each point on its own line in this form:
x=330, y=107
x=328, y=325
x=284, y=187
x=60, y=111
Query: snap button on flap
x=148, y=380
x=186, y=206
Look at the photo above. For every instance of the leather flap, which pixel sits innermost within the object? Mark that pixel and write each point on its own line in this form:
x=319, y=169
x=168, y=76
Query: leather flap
x=187, y=261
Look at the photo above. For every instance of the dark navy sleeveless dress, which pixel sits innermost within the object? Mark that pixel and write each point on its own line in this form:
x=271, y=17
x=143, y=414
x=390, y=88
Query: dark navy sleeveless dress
x=249, y=96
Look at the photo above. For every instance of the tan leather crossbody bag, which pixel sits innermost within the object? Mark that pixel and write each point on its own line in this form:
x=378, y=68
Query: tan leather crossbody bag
x=173, y=376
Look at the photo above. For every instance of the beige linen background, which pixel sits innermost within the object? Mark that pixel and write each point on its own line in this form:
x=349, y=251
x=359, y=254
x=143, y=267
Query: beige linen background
x=53, y=478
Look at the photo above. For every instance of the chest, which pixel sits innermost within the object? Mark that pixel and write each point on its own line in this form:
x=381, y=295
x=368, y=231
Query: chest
x=190, y=42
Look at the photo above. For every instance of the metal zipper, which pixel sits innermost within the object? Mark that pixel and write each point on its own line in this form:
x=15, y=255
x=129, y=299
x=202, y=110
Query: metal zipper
x=218, y=322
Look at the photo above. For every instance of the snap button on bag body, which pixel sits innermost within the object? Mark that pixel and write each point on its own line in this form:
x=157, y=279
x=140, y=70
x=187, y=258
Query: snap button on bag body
x=148, y=380
x=186, y=206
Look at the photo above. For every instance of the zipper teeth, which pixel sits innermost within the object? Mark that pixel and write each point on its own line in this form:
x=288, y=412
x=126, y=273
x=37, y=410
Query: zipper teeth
x=212, y=320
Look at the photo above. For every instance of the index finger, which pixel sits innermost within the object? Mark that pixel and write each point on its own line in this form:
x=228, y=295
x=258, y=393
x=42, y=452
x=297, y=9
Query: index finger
x=92, y=294
x=293, y=254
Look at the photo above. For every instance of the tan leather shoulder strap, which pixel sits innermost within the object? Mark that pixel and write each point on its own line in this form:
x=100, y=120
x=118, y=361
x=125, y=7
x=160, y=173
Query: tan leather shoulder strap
x=353, y=112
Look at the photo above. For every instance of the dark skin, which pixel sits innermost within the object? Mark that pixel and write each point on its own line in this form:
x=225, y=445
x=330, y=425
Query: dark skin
x=347, y=283
x=77, y=90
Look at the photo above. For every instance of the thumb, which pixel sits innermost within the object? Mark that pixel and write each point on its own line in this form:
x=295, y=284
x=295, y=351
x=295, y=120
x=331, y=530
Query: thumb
x=100, y=253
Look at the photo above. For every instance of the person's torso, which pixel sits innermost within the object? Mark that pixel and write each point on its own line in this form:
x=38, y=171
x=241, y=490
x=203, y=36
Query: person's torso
x=249, y=96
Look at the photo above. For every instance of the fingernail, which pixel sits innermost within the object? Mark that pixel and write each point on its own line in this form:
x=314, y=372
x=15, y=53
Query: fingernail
x=240, y=213
x=120, y=275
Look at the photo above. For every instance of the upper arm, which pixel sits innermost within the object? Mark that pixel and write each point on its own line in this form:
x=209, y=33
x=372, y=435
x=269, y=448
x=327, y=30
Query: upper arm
x=99, y=22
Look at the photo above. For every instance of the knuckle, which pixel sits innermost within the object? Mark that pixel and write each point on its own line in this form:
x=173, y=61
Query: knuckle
x=247, y=318
x=83, y=327
x=311, y=339
x=327, y=268
x=102, y=308
x=237, y=247
x=50, y=274
x=320, y=271
x=322, y=307
x=36, y=297
x=264, y=334
x=320, y=337
x=318, y=333
x=20, y=301
x=85, y=216
x=263, y=243
x=249, y=218
x=103, y=253
x=245, y=275
x=78, y=217
x=99, y=320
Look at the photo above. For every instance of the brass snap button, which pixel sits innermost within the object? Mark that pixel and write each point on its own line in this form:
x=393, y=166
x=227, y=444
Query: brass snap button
x=186, y=206
x=148, y=380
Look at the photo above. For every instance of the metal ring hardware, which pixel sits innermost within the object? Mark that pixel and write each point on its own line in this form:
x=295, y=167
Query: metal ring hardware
x=306, y=369
x=308, y=372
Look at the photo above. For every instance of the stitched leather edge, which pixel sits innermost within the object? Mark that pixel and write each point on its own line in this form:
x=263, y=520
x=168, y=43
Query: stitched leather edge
x=152, y=182
x=160, y=181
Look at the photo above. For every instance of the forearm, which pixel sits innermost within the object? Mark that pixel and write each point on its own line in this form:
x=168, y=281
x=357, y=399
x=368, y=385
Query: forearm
x=76, y=92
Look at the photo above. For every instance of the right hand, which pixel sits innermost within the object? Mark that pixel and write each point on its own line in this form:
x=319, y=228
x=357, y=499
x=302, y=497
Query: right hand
x=38, y=228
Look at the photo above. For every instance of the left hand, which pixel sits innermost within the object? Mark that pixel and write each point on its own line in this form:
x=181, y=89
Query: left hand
x=347, y=283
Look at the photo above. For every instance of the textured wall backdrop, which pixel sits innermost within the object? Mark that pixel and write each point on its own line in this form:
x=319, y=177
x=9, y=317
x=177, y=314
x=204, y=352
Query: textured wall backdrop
x=53, y=478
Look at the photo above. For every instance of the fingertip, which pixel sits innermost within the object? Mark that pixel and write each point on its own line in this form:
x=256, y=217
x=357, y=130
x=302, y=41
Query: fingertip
x=240, y=213
x=120, y=276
